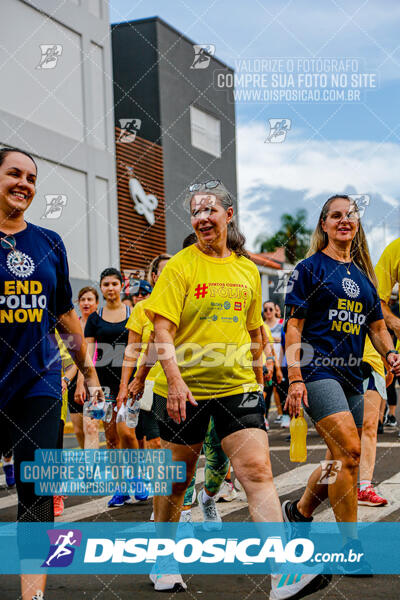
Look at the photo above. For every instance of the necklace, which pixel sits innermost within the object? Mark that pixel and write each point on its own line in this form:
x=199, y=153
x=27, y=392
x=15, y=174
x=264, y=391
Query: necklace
x=347, y=267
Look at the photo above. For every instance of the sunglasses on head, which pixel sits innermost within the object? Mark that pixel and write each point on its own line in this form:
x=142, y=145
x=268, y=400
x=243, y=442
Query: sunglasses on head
x=209, y=185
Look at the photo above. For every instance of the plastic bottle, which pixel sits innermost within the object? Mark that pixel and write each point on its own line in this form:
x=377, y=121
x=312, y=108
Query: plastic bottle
x=109, y=408
x=132, y=412
x=298, y=438
x=94, y=409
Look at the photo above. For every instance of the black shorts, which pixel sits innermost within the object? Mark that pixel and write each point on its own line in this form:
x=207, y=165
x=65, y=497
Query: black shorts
x=147, y=426
x=231, y=413
x=72, y=405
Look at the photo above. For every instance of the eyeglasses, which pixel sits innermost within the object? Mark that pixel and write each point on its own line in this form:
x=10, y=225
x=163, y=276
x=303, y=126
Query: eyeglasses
x=209, y=185
x=352, y=216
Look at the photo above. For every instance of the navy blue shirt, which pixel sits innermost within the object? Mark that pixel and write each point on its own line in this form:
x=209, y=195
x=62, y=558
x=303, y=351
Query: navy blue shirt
x=338, y=307
x=34, y=292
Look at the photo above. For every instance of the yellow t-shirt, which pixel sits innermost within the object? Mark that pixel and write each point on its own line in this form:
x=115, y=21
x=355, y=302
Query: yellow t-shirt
x=66, y=361
x=141, y=324
x=373, y=358
x=388, y=270
x=214, y=302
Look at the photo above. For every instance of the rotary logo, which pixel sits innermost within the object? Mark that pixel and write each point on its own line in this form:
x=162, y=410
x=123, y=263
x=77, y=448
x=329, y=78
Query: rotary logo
x=20, y=264
x=350, y=287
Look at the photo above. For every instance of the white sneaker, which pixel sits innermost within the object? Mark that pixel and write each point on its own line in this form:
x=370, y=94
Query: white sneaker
x=38, y=595
x=185, y=527
x=152, y=516
x=164, y=582
x=227, y=492
x=278, y=419
x=298, y=586
x=285, y=422
x=212, y=518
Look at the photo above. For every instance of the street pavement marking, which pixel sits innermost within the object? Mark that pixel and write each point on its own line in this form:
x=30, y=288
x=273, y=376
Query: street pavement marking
x=389, y=489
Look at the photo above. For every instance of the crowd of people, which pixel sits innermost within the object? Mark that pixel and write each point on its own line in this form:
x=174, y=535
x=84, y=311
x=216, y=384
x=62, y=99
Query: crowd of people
x=332, y=355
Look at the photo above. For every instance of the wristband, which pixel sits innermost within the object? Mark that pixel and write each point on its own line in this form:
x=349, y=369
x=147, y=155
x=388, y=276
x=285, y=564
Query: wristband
x=270, y=358
x=296, y=381
x=390, y=352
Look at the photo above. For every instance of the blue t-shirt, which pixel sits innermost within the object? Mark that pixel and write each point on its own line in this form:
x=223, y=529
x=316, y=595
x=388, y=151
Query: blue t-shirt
x=338, y=307
x=34, y=292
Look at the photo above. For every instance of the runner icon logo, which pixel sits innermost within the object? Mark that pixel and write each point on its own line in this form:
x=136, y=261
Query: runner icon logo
x=329, y=471
x=61, y=551
x=278, y=129
x=202, y=55
x=50, y=56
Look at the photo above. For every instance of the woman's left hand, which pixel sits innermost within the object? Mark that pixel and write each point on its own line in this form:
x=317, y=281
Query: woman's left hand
x=394, y=362
x=135, y=389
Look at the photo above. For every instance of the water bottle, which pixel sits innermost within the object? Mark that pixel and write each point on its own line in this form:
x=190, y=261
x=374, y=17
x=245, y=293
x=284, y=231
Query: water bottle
x=94, y=409
x=132, y=412
x=298, y=437
x=109, y=408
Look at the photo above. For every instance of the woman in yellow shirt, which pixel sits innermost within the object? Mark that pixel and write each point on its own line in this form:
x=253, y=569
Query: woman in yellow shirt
x=206, y=310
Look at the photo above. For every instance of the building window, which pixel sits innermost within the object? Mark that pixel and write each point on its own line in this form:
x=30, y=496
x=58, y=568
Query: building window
x=205, y=132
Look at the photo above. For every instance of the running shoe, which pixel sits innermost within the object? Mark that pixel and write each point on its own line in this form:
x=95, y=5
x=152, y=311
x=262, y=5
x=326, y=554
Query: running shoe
x=58, y=502
x=163, y=582
x=285, y=422
x=390, y=421
x=10, y=475
x=185, y=526
x=380, y=427
x=212, y=518
x=38, y=595
x=119, y=500
x=141, y=493
x=267, y=427
x=152, y=516
x=294, y=587
x=227, y=492
x=278, y=419
x=369, y=497
x=359, y=568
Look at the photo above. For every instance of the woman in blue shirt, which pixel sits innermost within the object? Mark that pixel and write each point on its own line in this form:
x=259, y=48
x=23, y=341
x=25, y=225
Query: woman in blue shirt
x=35, y=297
x=332, y=303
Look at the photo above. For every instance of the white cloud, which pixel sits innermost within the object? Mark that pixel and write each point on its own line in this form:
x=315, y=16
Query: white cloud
x=311, y=169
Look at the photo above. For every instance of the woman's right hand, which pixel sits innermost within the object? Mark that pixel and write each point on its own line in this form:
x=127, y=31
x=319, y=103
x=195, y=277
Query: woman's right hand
x=122, y=395
x=296, y=395
x=80, y=393
x=178, y=394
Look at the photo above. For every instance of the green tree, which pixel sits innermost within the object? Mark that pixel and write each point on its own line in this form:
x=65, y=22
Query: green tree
x=293, y=235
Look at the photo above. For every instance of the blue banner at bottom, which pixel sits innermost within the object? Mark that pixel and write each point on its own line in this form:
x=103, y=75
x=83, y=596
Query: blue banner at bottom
x=247, y=548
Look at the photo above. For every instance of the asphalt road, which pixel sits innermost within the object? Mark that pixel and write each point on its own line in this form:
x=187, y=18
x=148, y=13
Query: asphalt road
x=290, y=483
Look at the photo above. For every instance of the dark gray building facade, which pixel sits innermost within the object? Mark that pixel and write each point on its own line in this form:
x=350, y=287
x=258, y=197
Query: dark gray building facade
x=165, y=84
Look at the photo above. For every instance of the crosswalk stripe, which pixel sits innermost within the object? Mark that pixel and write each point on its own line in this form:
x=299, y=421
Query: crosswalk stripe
x=390, y=489
x=285, y=484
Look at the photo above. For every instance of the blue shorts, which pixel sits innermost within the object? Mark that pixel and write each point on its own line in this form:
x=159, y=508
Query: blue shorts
x=327, y=397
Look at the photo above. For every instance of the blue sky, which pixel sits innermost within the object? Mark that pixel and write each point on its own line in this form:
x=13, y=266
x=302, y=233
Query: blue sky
x=331, y=147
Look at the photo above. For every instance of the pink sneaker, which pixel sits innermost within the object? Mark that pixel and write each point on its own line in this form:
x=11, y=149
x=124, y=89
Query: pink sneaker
x=369, y=497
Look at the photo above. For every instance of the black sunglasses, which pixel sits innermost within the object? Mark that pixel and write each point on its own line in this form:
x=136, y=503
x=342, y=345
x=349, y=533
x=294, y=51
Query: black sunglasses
x=209, y=185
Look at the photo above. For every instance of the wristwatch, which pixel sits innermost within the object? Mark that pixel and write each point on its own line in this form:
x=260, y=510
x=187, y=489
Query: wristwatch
x=390, y=352
x=67, y=380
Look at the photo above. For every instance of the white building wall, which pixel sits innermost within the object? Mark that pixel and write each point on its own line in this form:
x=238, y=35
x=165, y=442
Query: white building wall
x=62, y=112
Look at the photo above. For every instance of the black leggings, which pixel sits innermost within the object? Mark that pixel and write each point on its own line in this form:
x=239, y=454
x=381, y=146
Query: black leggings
x=32, y=423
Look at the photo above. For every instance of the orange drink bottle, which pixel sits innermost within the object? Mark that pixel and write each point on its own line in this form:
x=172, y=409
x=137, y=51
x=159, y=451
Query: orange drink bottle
x=298, y=437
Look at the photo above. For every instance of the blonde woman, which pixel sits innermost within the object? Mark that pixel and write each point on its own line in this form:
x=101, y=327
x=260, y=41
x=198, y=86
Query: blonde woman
x=333, y=303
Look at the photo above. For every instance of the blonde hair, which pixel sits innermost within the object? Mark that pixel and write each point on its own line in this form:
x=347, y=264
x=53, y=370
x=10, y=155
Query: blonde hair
x=359, y=251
